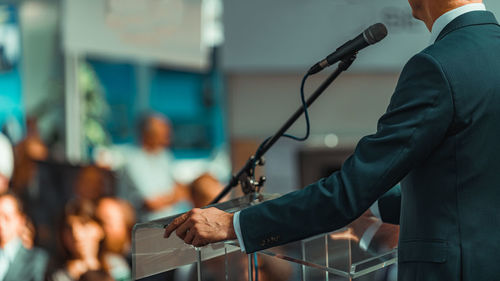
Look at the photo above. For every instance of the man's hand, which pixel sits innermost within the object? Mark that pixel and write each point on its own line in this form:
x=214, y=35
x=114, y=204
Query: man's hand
x=200, y=227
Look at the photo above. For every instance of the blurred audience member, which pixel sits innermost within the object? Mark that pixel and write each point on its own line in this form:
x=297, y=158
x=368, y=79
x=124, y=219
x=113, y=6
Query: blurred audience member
x=204, y=189
x=117, y=219
x=90, y=184
x=6, y=163
x=18, y=262
x=81, y=237
x=96, y=275
x=26, y=152
x=153, y=190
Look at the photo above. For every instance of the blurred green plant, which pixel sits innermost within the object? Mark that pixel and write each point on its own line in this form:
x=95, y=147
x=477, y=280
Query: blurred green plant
x=95, y=109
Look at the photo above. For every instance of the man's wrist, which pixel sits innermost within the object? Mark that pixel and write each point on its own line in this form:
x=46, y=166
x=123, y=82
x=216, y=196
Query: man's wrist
x=231, y=235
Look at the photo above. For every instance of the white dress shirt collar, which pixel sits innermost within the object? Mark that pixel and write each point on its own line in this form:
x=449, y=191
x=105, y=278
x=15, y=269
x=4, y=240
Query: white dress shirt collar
x=449, y=16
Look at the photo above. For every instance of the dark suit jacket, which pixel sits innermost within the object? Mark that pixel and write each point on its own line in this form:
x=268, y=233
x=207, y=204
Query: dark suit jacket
x=440, y=136
x=28, y=265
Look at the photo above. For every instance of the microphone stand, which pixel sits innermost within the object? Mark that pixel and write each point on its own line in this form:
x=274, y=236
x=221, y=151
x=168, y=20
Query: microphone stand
x=246, y=175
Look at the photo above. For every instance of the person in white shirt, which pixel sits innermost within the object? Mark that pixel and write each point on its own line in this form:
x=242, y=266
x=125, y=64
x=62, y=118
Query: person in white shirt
x=149, y=168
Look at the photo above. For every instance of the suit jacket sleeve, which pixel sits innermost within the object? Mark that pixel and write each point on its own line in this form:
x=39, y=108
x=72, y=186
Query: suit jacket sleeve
x=416, y=121
x=389, y=205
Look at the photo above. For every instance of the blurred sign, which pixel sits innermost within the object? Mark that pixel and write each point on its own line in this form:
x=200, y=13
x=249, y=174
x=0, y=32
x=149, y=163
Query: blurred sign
x=292, y=35
x=161, y=31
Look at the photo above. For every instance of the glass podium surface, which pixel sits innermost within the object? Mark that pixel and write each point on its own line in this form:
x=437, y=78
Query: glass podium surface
x=363, y=250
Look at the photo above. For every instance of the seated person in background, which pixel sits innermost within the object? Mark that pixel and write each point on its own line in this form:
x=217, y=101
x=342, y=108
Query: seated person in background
x=26, y=153
x=204, y=189
x=152, y=188
x=6, y=163
x=59, y=187
x=90, y=184
x=16, y=261
x=80, y=235
x=117, y=219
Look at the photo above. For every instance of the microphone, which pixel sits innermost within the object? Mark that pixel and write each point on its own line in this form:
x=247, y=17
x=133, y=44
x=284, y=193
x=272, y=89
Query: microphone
x=371, y=35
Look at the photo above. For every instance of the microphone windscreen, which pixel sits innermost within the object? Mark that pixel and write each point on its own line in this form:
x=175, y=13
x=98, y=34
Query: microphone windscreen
x=375, y=33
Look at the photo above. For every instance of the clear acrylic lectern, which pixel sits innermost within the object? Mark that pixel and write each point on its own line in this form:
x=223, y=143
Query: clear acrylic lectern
x=364, y=250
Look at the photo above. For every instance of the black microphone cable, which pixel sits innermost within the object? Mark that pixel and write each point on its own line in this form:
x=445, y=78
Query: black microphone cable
x=306, y=114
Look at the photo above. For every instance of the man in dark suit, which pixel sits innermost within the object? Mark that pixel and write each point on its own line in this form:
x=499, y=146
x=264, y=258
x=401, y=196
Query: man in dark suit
x=17, y=262
x=439, y=137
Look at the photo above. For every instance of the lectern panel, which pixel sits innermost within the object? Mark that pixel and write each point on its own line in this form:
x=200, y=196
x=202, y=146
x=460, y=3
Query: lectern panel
x=361, y=251
x=153, y=254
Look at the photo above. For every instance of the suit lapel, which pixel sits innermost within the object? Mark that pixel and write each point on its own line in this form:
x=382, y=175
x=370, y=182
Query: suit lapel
x=471, y=18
